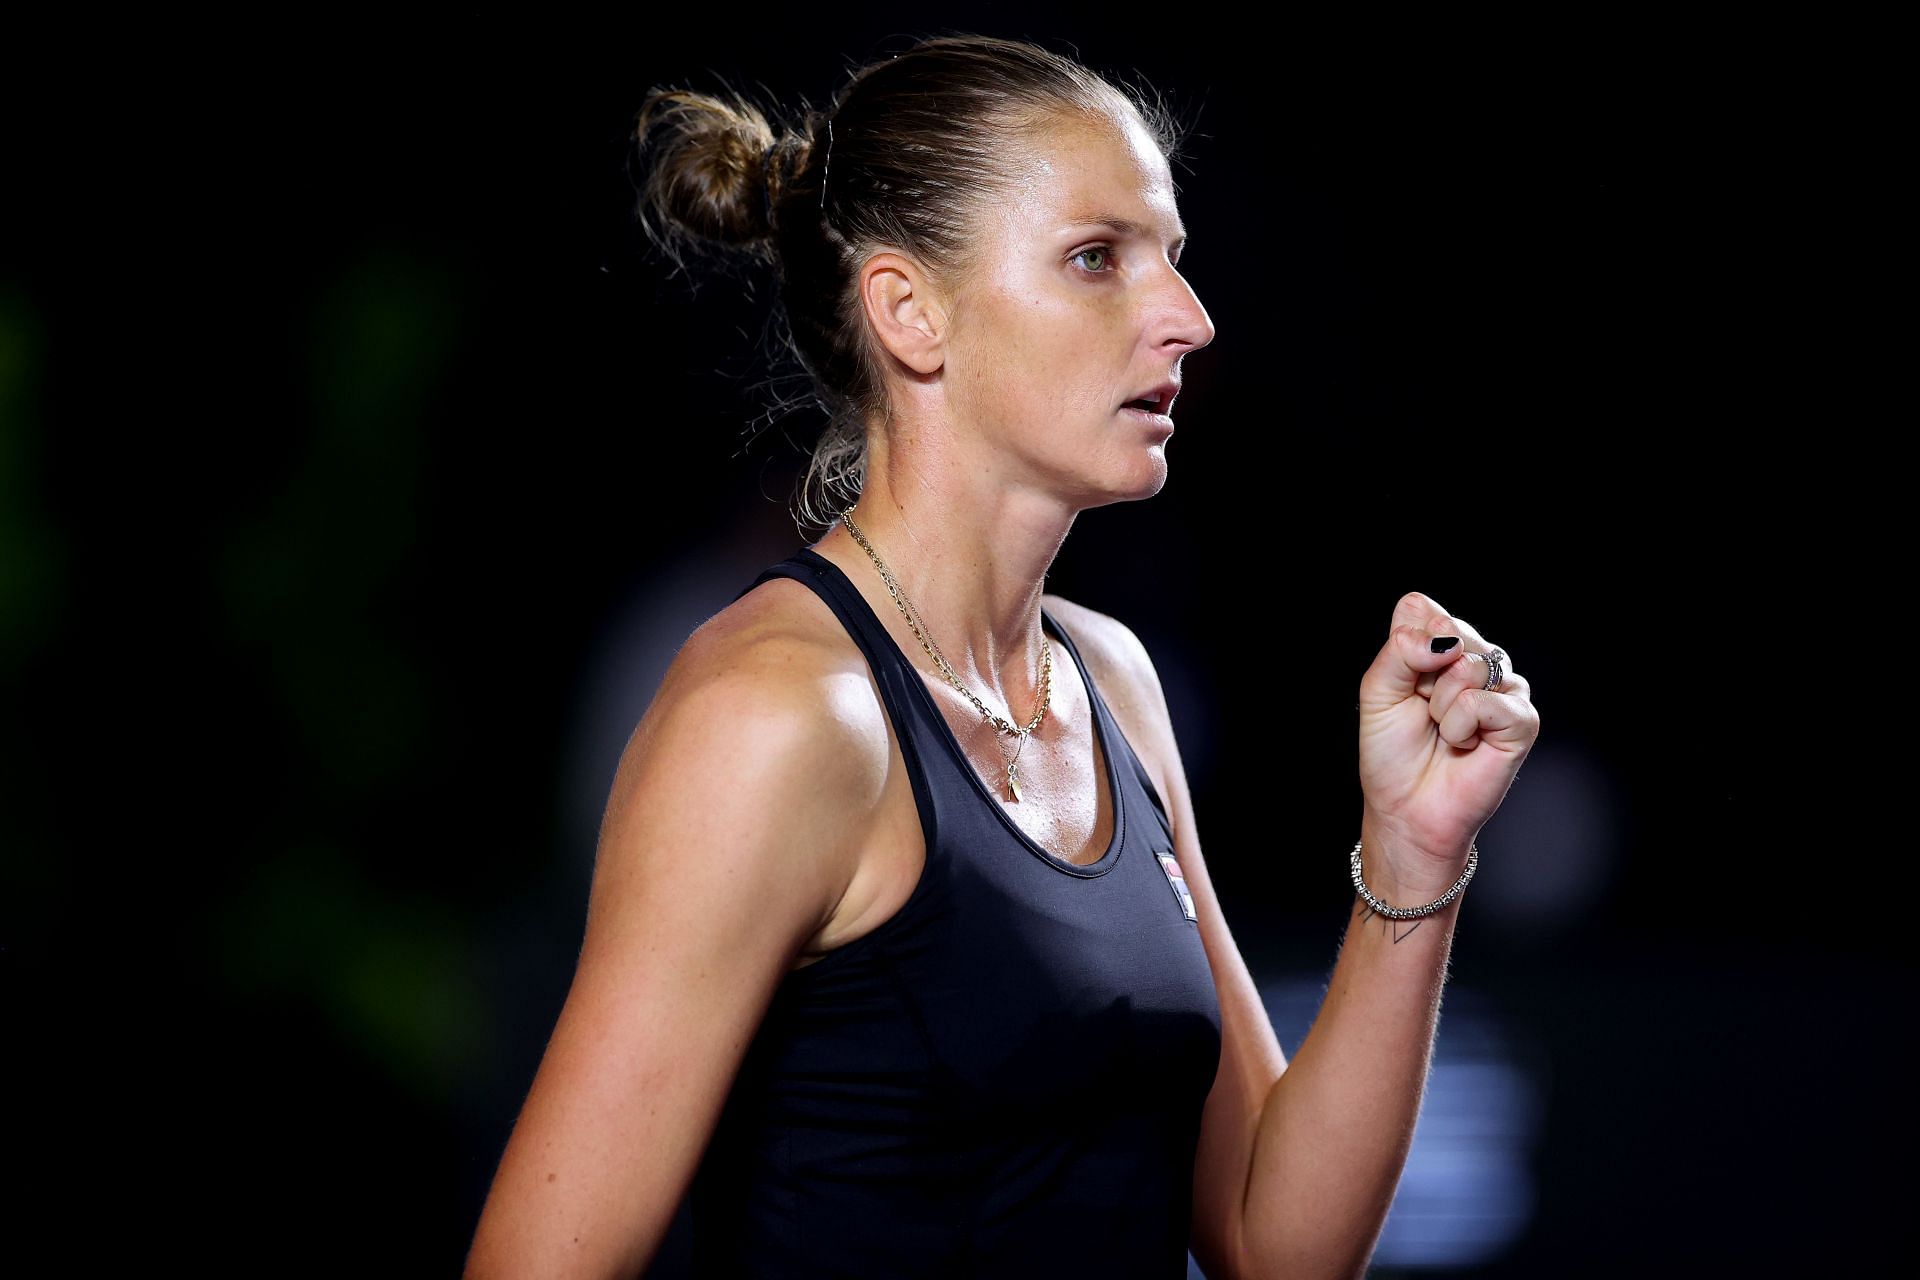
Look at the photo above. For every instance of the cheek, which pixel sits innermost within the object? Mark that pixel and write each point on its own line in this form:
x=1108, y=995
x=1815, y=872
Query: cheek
x=1060, y=350
x=1041, y=357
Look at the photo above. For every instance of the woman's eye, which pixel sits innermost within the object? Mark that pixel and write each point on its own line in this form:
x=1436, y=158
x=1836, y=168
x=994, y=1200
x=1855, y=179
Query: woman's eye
x=1106, y=255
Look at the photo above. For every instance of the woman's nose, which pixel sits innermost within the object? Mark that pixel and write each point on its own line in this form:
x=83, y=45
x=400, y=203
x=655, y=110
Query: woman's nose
x=1187, y=319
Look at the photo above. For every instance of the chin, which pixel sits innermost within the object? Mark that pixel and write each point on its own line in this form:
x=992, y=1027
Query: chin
x=1148, y=476
x=1159, y=472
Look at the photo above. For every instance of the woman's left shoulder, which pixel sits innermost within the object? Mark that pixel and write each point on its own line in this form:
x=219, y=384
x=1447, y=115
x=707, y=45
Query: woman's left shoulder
x=1115, y=655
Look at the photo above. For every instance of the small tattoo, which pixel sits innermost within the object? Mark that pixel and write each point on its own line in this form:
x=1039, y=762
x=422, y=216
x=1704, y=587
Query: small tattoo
x=1400, y=930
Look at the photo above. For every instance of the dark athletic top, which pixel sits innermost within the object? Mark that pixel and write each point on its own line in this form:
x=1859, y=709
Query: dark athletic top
x=1005, y=1078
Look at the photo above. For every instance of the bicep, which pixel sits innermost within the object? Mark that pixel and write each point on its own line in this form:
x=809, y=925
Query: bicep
x=723, y=849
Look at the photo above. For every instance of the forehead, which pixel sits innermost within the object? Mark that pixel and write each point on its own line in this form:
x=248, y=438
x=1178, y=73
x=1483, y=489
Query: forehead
x=1083, y=171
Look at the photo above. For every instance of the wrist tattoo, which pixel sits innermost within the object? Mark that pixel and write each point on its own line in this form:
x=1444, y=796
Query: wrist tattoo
x=1398, y=930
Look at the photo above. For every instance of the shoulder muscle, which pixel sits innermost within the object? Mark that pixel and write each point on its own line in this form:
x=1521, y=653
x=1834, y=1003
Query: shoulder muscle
x=729, y=835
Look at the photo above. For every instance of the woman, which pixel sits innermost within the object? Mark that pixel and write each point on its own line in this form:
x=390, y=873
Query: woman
x=901, y=953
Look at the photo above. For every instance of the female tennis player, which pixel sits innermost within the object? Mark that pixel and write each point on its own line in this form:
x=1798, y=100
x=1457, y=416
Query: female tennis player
x=901, y=954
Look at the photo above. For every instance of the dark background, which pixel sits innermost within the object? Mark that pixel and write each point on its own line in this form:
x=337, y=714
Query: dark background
x=360, y=470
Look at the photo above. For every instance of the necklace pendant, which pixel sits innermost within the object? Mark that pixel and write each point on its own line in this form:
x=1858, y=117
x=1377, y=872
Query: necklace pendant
x=1013, y=782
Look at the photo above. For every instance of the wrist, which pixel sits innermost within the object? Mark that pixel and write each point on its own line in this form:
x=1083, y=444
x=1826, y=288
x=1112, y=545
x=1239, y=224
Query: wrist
x=1400, y=874
x=1405, y=895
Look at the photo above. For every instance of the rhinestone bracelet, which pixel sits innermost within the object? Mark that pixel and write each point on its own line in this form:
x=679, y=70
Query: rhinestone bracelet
x=1410, y=913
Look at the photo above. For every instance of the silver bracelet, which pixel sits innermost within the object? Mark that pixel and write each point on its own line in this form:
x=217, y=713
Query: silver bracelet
x=1410, y=913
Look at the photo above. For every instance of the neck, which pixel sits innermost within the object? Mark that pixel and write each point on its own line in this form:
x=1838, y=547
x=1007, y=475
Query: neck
x=970, y=553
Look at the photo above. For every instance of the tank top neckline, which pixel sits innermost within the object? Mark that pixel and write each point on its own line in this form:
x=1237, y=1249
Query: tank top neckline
x=1116, y=790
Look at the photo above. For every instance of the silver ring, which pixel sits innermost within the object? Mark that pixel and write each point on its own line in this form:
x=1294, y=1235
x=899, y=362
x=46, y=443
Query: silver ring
x=1495, y=658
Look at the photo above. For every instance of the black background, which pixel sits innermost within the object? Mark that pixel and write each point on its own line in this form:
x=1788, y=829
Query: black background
x=349, y=426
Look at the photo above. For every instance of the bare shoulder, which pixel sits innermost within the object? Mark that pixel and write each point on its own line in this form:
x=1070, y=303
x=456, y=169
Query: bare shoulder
x=767, y=749
x=733, y=829
x=1118, y=659
x=779, y=649
x=768, y=707
x=1121, y=666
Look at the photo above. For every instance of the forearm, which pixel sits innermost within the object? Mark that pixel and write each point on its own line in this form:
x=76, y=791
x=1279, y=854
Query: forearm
x=1335, y=1129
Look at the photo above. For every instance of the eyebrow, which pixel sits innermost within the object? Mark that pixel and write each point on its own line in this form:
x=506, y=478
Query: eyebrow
x=1126, y=226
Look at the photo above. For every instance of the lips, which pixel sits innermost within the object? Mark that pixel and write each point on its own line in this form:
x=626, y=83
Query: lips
x=1157, y=399
x=1154, y=400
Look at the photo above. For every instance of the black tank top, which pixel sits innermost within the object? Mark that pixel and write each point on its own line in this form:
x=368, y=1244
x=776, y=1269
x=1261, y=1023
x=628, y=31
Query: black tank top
x=1005, y=1078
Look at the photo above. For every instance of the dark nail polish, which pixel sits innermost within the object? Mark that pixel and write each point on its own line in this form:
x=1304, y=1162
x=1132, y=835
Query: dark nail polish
x=1440, y=644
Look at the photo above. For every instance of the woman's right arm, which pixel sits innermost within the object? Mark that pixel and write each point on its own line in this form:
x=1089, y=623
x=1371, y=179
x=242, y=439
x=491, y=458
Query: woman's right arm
x=729, y=837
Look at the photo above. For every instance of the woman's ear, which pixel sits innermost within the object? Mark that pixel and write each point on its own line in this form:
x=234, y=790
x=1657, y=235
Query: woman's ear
x=904, y=311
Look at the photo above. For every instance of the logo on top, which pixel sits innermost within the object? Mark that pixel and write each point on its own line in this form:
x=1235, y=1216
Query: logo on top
x=1171, y=865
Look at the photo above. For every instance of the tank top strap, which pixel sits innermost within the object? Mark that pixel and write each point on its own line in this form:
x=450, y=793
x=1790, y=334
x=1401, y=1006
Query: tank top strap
x=1099, y=703
x=816, y=571
x=1112, y=736
x=899, y=684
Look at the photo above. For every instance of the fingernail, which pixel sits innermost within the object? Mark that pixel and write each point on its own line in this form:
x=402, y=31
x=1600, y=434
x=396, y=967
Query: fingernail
x=1440, y=644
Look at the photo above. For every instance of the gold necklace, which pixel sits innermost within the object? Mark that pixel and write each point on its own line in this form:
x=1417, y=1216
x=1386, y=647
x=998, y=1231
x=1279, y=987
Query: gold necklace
x=912, y=616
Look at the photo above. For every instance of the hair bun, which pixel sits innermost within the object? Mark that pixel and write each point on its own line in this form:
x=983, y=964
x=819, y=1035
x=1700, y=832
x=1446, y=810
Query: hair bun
x=710, y=180
x=773, y=180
